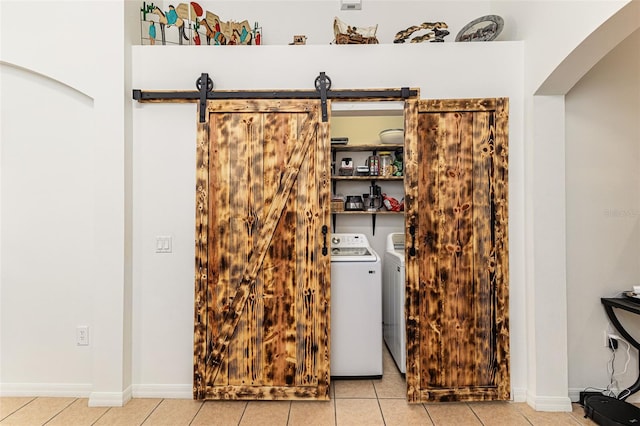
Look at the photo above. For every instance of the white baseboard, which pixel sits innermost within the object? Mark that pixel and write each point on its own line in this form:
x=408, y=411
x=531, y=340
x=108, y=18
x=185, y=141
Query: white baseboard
x=110, y=399
x=549, y=403
x=163, y=391
x=76, y=390
x=519, y=394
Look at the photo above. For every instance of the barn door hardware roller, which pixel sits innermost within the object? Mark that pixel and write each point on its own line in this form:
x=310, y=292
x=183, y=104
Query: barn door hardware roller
x=205, y=85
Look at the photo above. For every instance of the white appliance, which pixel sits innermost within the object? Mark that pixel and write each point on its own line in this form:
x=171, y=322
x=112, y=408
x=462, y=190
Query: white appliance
x=393, y=286
x=356, y=307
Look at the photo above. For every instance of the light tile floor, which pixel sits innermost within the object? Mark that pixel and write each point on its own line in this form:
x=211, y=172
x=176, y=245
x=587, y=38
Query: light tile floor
x=353, y=402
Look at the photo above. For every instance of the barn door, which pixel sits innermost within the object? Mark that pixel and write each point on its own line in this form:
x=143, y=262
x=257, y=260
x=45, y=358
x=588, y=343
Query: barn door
x=457, y=250
x=262, y=270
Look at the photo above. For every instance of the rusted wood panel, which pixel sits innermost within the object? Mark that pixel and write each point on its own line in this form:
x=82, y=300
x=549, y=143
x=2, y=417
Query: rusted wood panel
x=431, y=217
x=254, y=261
x=484, y=255
x=219, y=236
x=458, y=105
x=454, y=261
x=270, y=193
x=412, y=161
x=501, y=246
x=201, y=260
x=279, y=360
x=462, y=349
x=460, y=394
x=307, y=293
x=322, y=268
x=261, y=105
x=264, y=393
x=245, y=224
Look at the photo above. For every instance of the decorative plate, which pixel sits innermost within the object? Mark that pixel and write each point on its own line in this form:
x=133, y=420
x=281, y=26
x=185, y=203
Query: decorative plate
x=485, y=28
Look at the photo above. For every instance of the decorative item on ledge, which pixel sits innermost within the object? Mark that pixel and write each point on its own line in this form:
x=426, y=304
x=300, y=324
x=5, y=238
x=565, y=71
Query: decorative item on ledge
x=485, y=28
x=189, y=21
x=346, y=34
x=299, y=39
x=436, y=32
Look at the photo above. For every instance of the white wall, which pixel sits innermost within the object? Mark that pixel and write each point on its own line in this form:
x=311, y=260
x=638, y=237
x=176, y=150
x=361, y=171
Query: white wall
x=603, y=209
x=47, y=228
x=552, y=30
x=63, y=229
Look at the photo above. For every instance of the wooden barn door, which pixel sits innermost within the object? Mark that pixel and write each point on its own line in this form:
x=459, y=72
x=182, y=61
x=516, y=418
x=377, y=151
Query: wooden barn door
x=457, y=250
x=262, y=273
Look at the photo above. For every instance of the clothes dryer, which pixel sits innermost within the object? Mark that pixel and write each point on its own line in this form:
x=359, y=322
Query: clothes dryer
x=393, y=296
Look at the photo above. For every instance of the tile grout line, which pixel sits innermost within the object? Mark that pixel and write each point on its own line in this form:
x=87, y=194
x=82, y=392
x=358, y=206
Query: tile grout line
x=428, y=413
x=59, y=412
x=244, y=410
x=474, y=413
x=19, y=408
x=197, y=412
x=289, y=412
x=152, y=411
x=375, y=390
x=101, y=416
x=335, y=405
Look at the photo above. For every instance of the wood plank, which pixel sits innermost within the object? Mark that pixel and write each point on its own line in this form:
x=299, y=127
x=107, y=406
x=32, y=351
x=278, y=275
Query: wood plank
x=501, y=226
x=265, y=393
x=279, y=363
x=458, y=105
x=412, y=208
x=274, y=158
x=201, y=260
x=456, y=256
x=219, y=235
x=432, y=216
x=323, y=266
x=484, y=253
x=240, y=239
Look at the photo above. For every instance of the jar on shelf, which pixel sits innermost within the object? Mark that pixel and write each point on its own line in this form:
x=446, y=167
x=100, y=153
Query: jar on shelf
x=386, y=164
x=373, y=162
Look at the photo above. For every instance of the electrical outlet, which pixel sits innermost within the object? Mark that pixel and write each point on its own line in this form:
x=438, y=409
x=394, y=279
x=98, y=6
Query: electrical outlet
x=82, y=335
x=613, y=344
x=611, y=340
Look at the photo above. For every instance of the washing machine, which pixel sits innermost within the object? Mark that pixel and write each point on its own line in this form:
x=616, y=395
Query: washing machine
x=356, y=307
x=393, y=285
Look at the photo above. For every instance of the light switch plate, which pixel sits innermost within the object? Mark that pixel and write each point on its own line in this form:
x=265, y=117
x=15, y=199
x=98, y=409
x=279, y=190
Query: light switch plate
x=164, y=244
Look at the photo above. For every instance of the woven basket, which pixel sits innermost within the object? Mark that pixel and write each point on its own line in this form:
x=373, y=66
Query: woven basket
x=337, y=206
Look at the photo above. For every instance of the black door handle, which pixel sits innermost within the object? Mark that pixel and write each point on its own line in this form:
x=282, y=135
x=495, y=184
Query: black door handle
x=325, y=250
x=412, y=232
